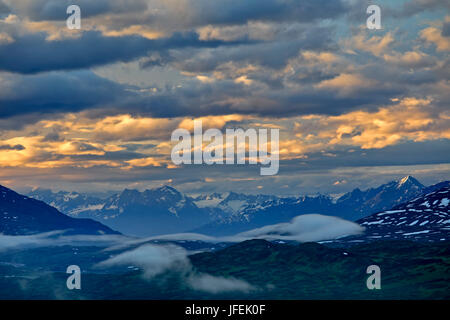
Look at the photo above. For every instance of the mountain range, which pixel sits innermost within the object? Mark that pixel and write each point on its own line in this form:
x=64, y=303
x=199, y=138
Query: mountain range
x=166, y=210
x=350, y=206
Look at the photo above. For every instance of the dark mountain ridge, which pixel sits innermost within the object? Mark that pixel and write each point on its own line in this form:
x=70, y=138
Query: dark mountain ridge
x=21, y=215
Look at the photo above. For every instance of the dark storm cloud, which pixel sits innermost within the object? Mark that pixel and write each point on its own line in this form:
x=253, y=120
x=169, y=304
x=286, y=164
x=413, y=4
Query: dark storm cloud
x=17, y=147
x=400, y=78
x=75, y=91
x=201, y=12
x=333, y=103
x=111, y=156
x=32, y=53
x=391, y=10
x=272, y=54
x=446, y=29
x=56, y=92
x=402, y=154
x=413, y=7
x=53, y=137
x=239, y=12
x=136, y=146
x=4, y=9
x=195, y=99
x=83, y=90
x=72, y=92
x=38, y=10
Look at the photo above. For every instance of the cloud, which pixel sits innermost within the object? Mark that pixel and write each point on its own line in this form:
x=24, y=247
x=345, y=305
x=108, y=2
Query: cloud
x=413, y=7
x=185, y=13
x=17, y=147
x=446, y=28
x=158, y=259
x=435, y=36
x=57, y=238
x=284, y=76
x=184, y=237
x=105, y=141
x=410, y=59
x=364, y=42
x=159, y=18
x=108, y=143
x=152, y=258
x=146, y=162
x=409, y=119
x=90, y=49
x=215, y=285
x=273, y=53
x=13, y=242
x=126, y=128
x=56, y=9
x=55, y=92
x=139, y=68
x=237, y=12
x=4, y=9
x=347, y=83
x=303, y=228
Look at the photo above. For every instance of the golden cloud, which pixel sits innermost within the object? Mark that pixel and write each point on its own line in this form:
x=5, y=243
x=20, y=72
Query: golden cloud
x=434, y=35
x=374, y=44
x=347, y=83
x=410, y=119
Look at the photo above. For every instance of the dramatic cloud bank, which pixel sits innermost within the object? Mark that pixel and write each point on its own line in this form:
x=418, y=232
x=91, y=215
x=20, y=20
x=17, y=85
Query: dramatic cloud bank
x=95, y=107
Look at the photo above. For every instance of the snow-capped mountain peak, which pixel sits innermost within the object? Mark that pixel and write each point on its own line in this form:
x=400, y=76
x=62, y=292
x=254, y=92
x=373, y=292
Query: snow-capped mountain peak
x=425, y=216
x=408, y=182
x=167, y=190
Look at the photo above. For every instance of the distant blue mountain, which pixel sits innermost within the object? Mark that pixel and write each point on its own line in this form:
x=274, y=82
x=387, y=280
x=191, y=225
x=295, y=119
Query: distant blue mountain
x=351, y=206
x=21, y=215
x=71, y=203
x=151, y=212
x=166, y=210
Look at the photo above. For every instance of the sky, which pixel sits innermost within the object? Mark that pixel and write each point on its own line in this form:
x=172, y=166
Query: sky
x=93, y=110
